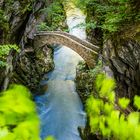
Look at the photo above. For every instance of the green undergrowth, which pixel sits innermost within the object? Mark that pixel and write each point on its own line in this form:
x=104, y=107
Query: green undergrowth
x=4, y=52
x=55, y=17
x=24, y=6
x=110, y=15
x=109, y=118
x=3, y=21
x=18, y=117
x=50, y=138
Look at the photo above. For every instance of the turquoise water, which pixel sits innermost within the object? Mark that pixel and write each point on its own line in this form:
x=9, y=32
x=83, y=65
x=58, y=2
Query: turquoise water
x=60, y=108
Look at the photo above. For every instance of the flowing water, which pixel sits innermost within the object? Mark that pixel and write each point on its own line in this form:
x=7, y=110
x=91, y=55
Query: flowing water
x=60, y=108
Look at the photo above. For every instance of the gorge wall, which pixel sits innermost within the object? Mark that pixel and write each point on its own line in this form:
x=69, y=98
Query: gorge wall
x=122, y=56
x=18, y=25
x=119, y=41
x=119, y=56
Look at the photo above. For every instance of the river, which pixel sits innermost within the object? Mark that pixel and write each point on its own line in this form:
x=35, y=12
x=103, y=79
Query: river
x=60, y=108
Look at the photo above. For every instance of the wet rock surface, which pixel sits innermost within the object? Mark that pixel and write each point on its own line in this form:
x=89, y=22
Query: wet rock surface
x=124, y=60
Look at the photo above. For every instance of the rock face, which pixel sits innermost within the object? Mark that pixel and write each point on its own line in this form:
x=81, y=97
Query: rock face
x=31, y=66
x=125, y=63
x=123, y=58
x=84, y=81
x=22, y=19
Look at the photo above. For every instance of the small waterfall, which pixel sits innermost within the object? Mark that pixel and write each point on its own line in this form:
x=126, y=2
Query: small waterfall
x=60, y=108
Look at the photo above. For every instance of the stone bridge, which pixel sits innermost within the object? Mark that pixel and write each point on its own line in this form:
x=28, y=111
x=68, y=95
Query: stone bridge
x=86, y=50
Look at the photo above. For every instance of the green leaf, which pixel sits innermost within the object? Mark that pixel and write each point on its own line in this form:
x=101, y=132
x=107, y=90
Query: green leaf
x=94, y=124
x=50, y=138
x=3, y=132
x=108, y=108
x=108, y=85
x=18, y=117
x=4, y=51
x=123, y=102
x=137, y=101
x=133, y=118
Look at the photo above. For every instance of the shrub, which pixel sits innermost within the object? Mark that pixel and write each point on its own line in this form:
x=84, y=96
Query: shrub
x=42, y=27
x=49, y=138
x=3, y=21
x=107, y=116
x=18, y=117
x=110, y=15
x=55, y=17
x=4, y=51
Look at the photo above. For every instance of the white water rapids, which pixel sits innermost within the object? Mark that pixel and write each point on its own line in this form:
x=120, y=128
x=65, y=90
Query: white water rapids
x=60, y=108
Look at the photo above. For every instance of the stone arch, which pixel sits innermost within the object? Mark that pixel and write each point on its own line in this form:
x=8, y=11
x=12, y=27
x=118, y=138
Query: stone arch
x=85, y=49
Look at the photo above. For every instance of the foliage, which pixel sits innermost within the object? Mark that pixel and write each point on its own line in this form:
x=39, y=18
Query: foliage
x=97, y=69
x=3, y=21
x=18, y=117
x=55, y=17
x=42, y=27
x=107, y=116
x=25, y=5
x=4, y=51
x=111, y=15
x=10, y=9
x=92, y=72
x=49, y=138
